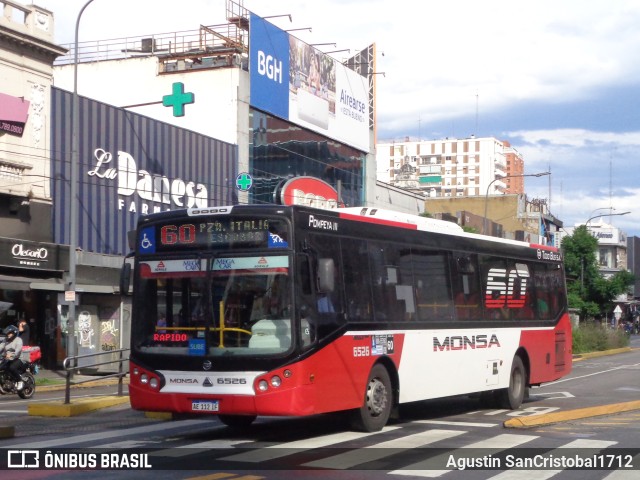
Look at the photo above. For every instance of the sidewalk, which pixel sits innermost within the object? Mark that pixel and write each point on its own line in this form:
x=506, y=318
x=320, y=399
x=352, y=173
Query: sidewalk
x=53, y=380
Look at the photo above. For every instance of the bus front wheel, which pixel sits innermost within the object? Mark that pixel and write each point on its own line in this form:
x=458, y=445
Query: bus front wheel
x=378, y=399
x=512, y=396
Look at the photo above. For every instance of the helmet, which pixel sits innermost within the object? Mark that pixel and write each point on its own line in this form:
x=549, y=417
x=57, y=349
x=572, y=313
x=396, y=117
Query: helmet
x=11, y=329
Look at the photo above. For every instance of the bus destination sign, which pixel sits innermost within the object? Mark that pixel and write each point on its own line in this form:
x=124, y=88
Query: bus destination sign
x=214, y=233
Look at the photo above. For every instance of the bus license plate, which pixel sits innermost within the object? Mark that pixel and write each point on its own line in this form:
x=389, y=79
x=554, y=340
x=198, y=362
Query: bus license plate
x=204, y=405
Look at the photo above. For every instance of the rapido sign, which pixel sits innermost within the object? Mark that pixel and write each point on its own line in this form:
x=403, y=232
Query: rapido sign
x=308, y=191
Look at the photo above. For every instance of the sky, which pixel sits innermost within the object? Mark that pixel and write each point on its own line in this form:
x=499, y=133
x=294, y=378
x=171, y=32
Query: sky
x=559, y=80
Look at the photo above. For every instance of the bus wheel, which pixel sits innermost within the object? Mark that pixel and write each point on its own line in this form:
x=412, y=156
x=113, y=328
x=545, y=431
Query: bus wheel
x=512, y=396
x=378, y=400
x=237, y=421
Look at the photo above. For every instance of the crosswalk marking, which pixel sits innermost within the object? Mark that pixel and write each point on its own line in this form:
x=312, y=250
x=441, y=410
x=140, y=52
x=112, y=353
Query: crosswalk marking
x=89, y=437
x=285, y=449
x=545, y=474
x=363, y=455
x=364, y=448
x=488, y=446
x=186, y=450
x=457, y=424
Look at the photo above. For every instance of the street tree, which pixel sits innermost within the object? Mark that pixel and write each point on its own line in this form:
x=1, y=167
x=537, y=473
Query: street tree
x=587, y=289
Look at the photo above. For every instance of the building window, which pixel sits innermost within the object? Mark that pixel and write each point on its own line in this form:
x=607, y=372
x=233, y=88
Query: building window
x=280, y=150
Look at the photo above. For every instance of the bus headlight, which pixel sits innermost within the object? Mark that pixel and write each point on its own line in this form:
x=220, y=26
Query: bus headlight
x=153, y=383
x=144, y=378
x=276, y=381
x=263, y=385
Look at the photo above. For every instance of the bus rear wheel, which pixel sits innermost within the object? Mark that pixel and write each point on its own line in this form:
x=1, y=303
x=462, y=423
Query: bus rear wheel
x=237, y=421
x=512, y=396
x=378, y=399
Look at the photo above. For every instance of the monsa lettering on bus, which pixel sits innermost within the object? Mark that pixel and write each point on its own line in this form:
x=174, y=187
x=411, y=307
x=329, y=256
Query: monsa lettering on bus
x=462, y=342
x=269, y=67
x=322, y=224
x=153, y=188
x=184, y=380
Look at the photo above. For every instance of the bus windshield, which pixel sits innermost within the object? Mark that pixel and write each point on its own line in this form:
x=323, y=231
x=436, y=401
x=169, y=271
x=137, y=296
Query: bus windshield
x=237, y=305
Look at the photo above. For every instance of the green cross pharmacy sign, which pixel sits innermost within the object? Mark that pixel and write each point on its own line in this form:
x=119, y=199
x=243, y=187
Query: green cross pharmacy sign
x=244, y=181
x=178, y=99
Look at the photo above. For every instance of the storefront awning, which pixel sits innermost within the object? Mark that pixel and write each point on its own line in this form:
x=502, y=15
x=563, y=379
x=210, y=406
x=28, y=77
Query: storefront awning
x=8, y=282
x=58, y=286
x=53, y=284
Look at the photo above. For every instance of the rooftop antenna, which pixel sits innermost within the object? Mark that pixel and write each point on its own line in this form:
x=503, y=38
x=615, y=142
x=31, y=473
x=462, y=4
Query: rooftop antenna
x=549, y=206
x=477, y=101
x=610, y=187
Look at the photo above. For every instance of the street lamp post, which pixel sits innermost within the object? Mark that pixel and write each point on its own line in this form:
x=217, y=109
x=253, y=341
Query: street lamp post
x=603, y=208
x=486, y=197
x=586, y=224
x=70, y=291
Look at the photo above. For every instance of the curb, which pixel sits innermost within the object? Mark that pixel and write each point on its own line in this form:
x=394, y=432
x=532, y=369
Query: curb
x=80, y=406
x=581, y=356
x=557, y=417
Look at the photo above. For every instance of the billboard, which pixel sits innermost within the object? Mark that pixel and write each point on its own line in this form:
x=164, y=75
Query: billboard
x=292, y=80
x=130, y=165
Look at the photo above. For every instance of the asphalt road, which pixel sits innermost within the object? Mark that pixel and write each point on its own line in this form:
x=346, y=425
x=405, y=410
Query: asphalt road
x=413, y=446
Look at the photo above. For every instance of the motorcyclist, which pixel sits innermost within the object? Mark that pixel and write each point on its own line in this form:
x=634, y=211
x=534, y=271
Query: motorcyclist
x=10, y=351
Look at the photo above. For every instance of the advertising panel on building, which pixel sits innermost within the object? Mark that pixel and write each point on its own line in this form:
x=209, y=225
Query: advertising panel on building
x=292, y=80
x=131, y=165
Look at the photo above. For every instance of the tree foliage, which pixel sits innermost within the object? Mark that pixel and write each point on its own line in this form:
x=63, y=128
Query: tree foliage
x=587, y=289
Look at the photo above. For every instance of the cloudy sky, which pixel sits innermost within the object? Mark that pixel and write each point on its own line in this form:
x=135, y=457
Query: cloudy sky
x=559, y=79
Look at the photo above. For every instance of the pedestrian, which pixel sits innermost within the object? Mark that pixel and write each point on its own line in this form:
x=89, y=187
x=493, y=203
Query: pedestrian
x=25, y=332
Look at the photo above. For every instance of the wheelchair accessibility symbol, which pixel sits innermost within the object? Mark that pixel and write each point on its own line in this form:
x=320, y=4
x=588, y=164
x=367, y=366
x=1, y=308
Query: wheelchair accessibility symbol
x=146, y=244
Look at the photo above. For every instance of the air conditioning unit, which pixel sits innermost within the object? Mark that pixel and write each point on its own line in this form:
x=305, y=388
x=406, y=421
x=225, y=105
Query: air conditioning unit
x=148, y=45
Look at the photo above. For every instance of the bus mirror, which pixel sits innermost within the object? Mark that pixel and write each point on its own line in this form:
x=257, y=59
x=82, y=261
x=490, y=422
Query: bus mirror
x=125, y=278
x=326, y=275
x=131, y=239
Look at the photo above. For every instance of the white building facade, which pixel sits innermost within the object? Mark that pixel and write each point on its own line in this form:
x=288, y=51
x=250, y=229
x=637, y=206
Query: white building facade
x=450, y=167
x=612, y=246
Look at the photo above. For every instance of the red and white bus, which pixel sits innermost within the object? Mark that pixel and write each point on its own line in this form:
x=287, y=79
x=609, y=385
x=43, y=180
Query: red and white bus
x=252, y=310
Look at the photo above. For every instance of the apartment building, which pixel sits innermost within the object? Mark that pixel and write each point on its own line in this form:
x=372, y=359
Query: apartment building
x=451, y=167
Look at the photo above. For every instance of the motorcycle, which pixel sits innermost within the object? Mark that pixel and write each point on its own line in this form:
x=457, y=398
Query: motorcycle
x=8, y=386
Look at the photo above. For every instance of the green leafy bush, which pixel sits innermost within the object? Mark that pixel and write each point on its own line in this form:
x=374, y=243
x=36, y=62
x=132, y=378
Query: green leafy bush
x=594, y=337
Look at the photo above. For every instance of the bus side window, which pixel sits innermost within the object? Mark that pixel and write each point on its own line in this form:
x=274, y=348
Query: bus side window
x=391, y=299
x=355, y=261
x=432, y=285
x=324, y=254
x=493, y=272
x=466, y=287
